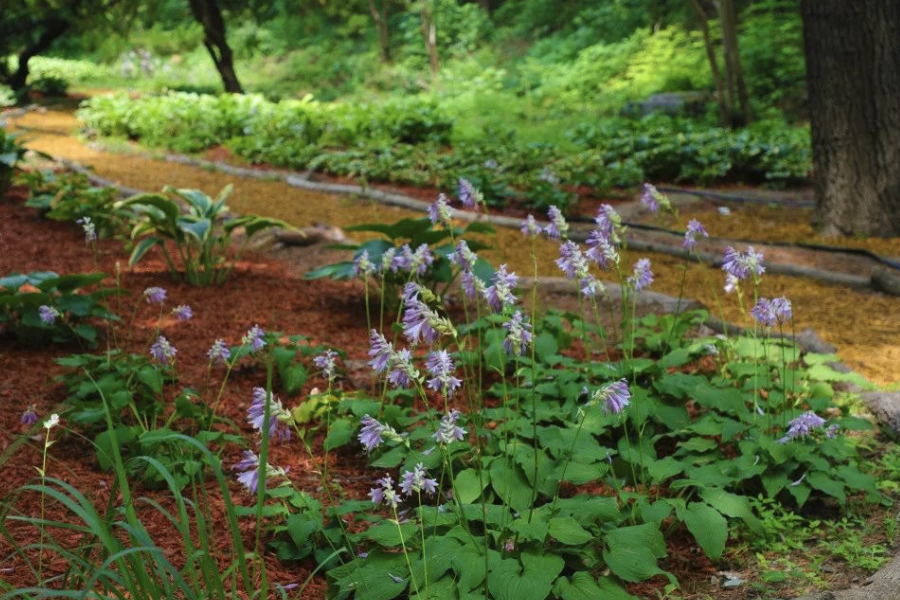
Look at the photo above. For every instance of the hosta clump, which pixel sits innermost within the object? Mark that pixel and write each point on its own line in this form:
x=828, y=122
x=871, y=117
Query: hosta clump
x=69, y=196
x=43, y=307
x=201, y=235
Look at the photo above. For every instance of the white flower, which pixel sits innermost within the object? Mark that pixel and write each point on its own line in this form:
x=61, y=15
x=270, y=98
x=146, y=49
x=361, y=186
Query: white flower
x=52, y=421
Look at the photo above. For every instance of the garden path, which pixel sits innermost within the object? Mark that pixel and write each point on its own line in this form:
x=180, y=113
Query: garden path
x=863, y=325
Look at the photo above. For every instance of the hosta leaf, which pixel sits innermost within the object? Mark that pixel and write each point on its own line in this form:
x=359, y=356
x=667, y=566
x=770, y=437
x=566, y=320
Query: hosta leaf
x=568, y=531
x=708, y=527
x=633, y=552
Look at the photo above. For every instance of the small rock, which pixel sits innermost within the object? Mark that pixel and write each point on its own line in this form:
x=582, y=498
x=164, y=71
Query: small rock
x=724, y=211
x=810, y=341
x=887, y=281
x=885, y=406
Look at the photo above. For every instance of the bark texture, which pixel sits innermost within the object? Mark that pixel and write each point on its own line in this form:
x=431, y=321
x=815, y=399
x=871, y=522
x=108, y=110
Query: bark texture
x=51, y=30
x=853, y=72
x=209, y=15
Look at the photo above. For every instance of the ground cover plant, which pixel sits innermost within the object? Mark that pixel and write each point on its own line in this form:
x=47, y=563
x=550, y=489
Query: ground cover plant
x=511, y=453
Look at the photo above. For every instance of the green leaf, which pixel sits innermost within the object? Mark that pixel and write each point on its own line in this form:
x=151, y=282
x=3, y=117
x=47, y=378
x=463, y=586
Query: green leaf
x=568, y=531
x=388, y=533
x=633, y=552
x=468, y=487
x=824, y=483
x=340, y=432
x=533, y=581
x=707, y=525
x=545, y=344
x=469, y=565
x=734, y=506
x=511, y=485
x=582, y=586
x=663, y=469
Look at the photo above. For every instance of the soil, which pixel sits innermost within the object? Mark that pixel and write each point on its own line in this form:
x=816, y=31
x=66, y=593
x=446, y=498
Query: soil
x=862, y=324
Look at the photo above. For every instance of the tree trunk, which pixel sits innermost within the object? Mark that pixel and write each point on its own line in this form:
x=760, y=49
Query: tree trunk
x=722, y=98
x=853, y=76
x=429, y=33
x=52, y=30
x=379, y=17
x=734, y=71
x=209, y=15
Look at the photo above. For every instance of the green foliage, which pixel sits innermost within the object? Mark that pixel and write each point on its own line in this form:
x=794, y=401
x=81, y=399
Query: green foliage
x=68, y=196
x=202, y=235
x=11, y=152
x=49, y=85
x=77, y=306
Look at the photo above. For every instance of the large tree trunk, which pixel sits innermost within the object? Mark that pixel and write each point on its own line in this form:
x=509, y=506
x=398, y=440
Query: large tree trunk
x=209, y=15
x=429, y=34
x=380, y=17
x=853, y=74
x=723, y=98
x=52, y=29
x=734, y=72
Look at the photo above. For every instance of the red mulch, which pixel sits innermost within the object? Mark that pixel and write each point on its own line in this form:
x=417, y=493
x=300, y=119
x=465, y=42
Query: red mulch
x=261, y=290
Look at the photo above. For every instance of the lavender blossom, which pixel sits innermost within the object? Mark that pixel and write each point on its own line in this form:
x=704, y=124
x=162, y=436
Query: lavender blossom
x=609, y=223
x=402, y=260
x=518, y=336
x=472, y=285
x=468, y=195
x=831, y=431
x=183, y=312
x=694, y=231
x=48, y=314
x=742, y=265
x=418, y=322
x=403, y=372
x=557, y=228
x=500, y=293
x=530, y=227
x=90, y=229
x=387, y=260
x=254, y=338
x=731, y=283
x=642, y=276
x=162, y=351
x=372, y=433
x=385, y=492
x=279, y=417
x=362, y=266
x=421, y=259
x=30, y=416
x=416, y=481
x=326, y=362
x=381, y=352
x=601, y=250
x=802, y=426
x=248, y=468
x=440, y=212
x=571, y=260
x=764, y=313
x=614, y=397
x=449, y=431
x=463, y=257
x=155, y=295
x=649, y=198
x=440, y=365
x=219, y=353
x=781, y=306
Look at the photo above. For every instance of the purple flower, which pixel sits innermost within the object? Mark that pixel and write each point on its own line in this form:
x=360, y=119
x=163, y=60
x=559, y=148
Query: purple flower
x=650, y=198
x=29, y=417
x=415, y=262
x=557, y=228
x=279, y=417
x=440, y=212
x=472, y=285
x=249, y=460
x=387, y=260
x=600, y=250
x=731, y=283
x=162, y=351
x=463, y=256
x=381, y=352
x=48, y=314
x=219, y=352
x=362, y=266
x=90, y=230
x=763, y=312
x=440, y=365
x=449, y=431
x=518, y=334
x=781, y=306
x=254, y=338
x=530, y=227
x=642, y=276
x=417, y=322
x=155, y=295
x=402, y=259
x=831, y=431
x=248, y=468
x=183, y=312
x=742, y=265
x=468, y=195
x=509, y=545
x=417, y=481
x=694, y=231
x=614, y=397
x=372, y=432
x=802, y=426
x=326, y=362
x=608, y=223
x=571, y=260
x=403, y=372
x=500, y=293
x=384, y=493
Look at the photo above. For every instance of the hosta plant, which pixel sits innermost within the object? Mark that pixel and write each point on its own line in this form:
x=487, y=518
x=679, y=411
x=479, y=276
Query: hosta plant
x=199, y=228
x=42, y=307
x=11, y=152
